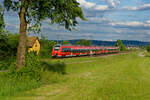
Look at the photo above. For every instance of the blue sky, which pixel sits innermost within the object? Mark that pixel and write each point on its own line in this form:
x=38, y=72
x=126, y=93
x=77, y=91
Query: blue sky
x=107, y=20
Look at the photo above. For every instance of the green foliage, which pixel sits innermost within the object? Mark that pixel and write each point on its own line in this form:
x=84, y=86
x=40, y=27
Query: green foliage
x=5, y=64
x=148, y=48
x=4, y=51
x=46, y=47
x=13, y=41
x=120, y=45
x=34, y=74
x=83, y=42
x=146, y=54
x=30, y=71
x=65, y=42
x=8, y=45
x=62, y=12
x=2, y=24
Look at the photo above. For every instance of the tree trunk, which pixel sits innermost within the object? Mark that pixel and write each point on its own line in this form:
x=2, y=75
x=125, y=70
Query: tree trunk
x=22, y=38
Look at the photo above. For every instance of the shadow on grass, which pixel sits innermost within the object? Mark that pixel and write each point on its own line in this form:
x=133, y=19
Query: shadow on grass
x=57, y=67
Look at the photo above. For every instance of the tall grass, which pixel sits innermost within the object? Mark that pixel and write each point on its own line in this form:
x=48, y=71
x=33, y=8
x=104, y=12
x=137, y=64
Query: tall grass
x=33, y=75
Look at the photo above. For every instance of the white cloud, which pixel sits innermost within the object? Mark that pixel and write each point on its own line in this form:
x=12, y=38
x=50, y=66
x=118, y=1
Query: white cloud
x=92, y=5
x=113, y=3
x=148, y=21
x=101, y=7
x=86, y=4
x=132, y=24
x=145, y=24
x=141, y=7
x=99, y=20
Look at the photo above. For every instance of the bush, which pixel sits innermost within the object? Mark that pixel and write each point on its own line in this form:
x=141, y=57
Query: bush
x=5, y=64
x=65, y=42
x=8, y=45
x=120, y=45
x=4, y=47
x=46, y=47
x=34, y=74
x=30, y=71
x=148, y=48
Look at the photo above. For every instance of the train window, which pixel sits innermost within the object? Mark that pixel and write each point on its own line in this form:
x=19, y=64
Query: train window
x=73, y=51
x=100, y=49
x=76, y=51
x=84, y=50
x=80, y=50
x=66, y=49
x=56, y=48
x=69, y=49
x=63, y=49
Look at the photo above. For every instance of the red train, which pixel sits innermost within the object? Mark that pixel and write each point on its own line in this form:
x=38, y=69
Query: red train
x=70, y=51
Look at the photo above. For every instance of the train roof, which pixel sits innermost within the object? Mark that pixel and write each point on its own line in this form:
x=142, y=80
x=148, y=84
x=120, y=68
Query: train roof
x=85, y=47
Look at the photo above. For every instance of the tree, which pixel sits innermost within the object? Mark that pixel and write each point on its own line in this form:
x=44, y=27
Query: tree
x=8, y=45
x=33, y=12
x=13, y=42
x=148, y=48
x=2, y=24
x=3, y=38
x=83, y=42
x=65, y=42
x=46, y=47
x=120, y=45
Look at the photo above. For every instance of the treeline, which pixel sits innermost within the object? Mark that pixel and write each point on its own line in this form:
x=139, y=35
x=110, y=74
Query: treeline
x=82, y=42
x=9, y=43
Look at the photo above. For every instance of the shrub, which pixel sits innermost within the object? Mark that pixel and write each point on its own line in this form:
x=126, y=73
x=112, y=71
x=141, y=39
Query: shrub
x=46, y=47
x=30, y=71
x=65, y=42
x=5, y=64
x=120, y=45
x=8, y=45
x=34, y=74
x=4, y=47
x=148, y=48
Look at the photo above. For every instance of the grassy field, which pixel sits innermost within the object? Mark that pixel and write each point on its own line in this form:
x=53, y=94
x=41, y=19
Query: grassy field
x=119, y=77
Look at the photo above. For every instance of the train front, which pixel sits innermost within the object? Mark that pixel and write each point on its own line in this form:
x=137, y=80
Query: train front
x=56, y=52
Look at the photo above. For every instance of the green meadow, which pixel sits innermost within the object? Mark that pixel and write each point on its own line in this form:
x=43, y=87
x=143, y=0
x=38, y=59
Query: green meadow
x=117, y=77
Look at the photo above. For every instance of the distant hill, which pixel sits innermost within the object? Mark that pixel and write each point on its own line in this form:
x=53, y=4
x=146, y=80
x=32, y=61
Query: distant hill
x=112, y=43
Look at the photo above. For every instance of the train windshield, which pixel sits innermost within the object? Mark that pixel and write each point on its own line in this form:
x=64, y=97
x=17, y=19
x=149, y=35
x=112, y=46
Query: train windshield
x=56, y=48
